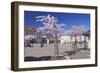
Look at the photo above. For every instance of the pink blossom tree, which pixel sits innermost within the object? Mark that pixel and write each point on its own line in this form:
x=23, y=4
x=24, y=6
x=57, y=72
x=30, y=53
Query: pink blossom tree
x=74, y=32
x=51, y=23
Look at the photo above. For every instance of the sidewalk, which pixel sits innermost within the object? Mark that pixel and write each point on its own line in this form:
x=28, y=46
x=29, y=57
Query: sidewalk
x=49, y=50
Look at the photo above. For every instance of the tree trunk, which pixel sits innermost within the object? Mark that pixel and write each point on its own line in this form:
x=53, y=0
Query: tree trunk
x=56, y=45
x=85, y=43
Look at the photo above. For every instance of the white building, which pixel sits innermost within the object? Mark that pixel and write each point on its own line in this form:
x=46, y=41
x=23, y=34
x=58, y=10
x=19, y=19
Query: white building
x=65, y=39
x=80, y=40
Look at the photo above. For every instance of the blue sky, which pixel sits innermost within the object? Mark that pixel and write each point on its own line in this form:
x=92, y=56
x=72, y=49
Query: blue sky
x=69, y=19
